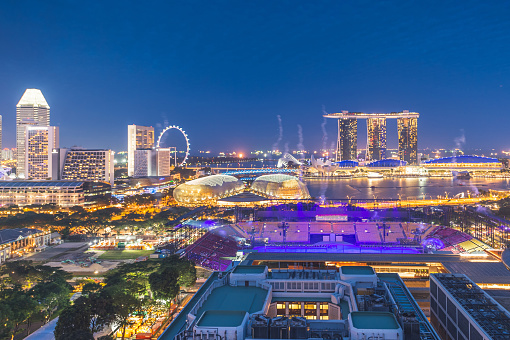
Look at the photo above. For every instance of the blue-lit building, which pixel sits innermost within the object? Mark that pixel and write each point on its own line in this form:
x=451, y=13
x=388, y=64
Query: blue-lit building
x=464, y=162
x=347, y=164
x=386, y=163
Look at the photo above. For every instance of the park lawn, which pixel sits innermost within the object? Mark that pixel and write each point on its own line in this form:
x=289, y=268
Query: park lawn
x=124, y=254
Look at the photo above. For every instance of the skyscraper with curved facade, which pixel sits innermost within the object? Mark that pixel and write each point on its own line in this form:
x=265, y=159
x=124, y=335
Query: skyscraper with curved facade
x=32, y=110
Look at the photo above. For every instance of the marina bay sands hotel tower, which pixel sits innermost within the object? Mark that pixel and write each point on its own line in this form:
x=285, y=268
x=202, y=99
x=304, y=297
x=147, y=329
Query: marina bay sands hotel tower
x=346, y=147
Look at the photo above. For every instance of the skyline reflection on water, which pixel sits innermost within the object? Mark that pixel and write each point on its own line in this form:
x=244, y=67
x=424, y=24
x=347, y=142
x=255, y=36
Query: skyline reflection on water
x=381, y=188
x=412, y=188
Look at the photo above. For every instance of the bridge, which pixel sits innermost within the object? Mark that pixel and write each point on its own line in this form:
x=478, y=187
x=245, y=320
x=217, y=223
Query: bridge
x=397, y=203
x=259, y=171
x=246, y=171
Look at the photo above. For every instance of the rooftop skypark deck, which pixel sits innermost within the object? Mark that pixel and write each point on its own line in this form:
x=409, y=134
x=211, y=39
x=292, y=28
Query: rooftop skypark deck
x=363, y=115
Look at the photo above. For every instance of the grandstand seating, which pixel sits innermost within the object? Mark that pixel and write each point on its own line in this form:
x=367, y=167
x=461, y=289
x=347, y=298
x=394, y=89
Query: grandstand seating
x=208, y=251
x=393, y=232
x=299, y=232
x=367, y=233
x=343, y=228
x=320, y=227
x=451, y=238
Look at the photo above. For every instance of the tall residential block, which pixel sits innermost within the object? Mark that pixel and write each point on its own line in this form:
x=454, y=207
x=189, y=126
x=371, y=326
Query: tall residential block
x=1, y=137
x=408, y=140
x=32, y=110
x=39, y=144
x=347, y=142
x=376, y=135
x=164, y=159
x=87, y=165
x=139, y=137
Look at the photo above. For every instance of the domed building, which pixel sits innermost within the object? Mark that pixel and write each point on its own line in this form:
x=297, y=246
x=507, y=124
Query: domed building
x=210, y=188
x=280, y=186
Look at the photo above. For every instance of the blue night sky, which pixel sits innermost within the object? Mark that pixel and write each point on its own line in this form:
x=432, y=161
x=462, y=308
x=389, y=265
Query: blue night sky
x=224, y=70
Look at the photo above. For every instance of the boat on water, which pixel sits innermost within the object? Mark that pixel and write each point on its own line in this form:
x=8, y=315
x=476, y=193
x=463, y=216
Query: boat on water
x=374, y=175
x=461, y=174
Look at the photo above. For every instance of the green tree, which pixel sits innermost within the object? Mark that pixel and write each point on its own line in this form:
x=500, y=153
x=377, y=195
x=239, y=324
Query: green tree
x=185, y=268
x=6, y=320
x=164, y=284
x=125, y=304
x=75, y=317
x=51, y=295
x=22, y=308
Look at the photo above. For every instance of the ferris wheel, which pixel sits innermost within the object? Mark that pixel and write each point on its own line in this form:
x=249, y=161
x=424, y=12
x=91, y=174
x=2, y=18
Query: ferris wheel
x=185, y=137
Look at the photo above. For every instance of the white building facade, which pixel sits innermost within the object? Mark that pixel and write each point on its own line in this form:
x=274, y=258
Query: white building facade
x=139, y=137
x=32, y=109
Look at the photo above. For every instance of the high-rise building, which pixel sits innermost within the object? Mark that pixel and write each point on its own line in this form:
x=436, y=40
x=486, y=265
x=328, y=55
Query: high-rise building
x=87, y=165
x=408, y=140
x=139, y=137
x=145, y=161
x=164, y=159
x=8, y=154
x=376, y=135
x=32, y=109
x=39, y=144
x=347, y=142
x=1, y=155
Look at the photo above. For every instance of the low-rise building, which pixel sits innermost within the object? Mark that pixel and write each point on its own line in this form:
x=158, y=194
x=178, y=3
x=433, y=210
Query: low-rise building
x=462, y=310
x=61, y=193
x=21, y=241
x=252, y=302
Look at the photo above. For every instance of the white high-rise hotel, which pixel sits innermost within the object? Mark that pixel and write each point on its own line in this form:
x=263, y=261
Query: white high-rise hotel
x=32, y=110
x=139, y=138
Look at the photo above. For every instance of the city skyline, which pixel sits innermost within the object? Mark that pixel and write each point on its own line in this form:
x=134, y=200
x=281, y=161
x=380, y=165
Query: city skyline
x=240, y=66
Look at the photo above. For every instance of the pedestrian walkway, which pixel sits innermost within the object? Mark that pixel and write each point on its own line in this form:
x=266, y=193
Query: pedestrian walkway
x=45, y=332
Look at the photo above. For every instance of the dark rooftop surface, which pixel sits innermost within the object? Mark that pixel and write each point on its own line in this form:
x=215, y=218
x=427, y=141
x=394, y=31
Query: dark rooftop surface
x=506, y=257
x=45, y=184
x=10, y=235
x=481, y=272
x=406, y=258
